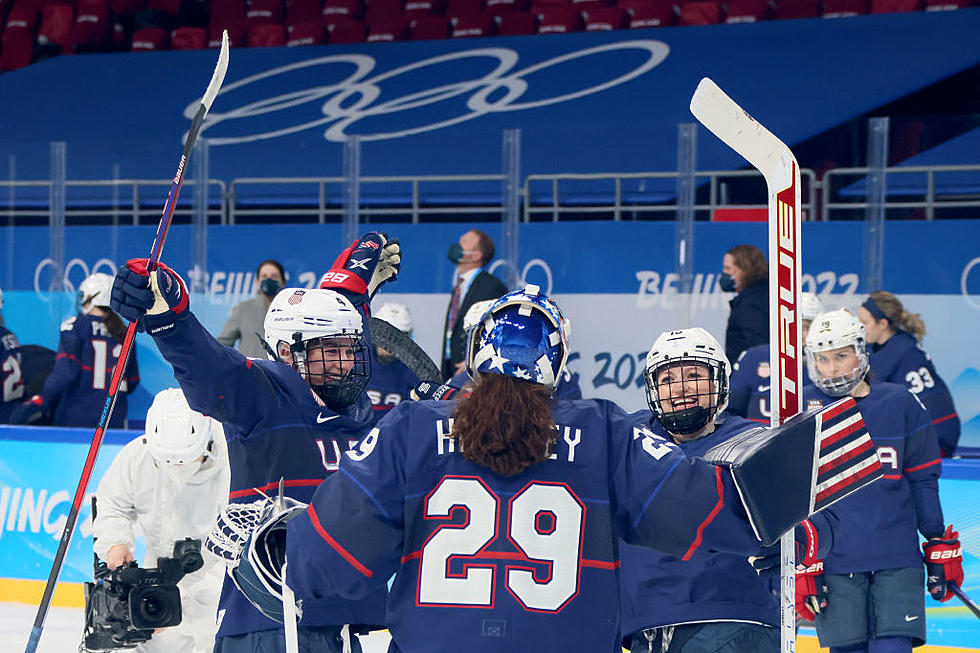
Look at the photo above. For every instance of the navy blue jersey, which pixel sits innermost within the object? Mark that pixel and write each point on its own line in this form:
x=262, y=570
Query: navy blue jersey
x=878, y=523
x=750, y=382
x=275, y=429
x=663, y=590
x=901, y=360
x=390, y=384
x=11, y=375
x=79, y=383
x=567, y=387
x=487, y=563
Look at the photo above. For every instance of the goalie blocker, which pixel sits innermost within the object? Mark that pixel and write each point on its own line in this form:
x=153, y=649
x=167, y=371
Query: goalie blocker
x=829, y=446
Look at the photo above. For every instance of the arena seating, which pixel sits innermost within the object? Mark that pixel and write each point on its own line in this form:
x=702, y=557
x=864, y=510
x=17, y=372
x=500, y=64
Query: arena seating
x=37, y=29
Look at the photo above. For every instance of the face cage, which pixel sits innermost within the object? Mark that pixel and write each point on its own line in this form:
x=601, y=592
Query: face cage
x=688, y=420
x=837, y=386
x=336, y=391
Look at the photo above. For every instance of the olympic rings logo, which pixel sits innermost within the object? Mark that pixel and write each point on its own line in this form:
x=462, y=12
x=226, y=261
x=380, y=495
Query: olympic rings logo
x=68, y=278
x=357, y=97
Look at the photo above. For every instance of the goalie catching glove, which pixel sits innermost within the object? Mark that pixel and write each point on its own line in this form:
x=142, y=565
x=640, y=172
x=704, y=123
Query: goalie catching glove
x=364, y=266
x=251, y=538
x=944, y=564
x=154, y=299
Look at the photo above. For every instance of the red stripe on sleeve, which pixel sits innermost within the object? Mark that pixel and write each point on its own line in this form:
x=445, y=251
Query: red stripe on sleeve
x=922, y=466
x=714, y=513
x=335, y=545
x=944, y=418
x=295, y=482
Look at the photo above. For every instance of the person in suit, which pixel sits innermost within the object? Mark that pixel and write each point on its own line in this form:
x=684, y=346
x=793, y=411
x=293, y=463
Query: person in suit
x=471, y=283
x=745, y=271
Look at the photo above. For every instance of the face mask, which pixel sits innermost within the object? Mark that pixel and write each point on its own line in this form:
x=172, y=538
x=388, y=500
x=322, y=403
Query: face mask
x=726, y=282
x=269, y=287
x=455, y=253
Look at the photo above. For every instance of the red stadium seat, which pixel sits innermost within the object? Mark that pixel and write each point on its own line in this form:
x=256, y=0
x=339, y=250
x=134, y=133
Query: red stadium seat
x=430, y=27
x=57, y=22
x=516, y=24
x=127, y=7
x=226, y=12
x=236, y=35
x=845, y=8
x=387, y=29
x=896, y=6
x=786, y=9
x=307, y=32
x=168, y=6
x=501, y=7
x=559, y=20
x=419, y=8
x=92, y=27
x=264, y=11
x=606, y=18
x=749, y=11
x=346, y=30
x=16, y=48
x=266, y=35
x=537, y=6
x=948, y=5
x=701, y=12
x=382, y=9
x=658, y=14
x=150, y=38
x=473, y=25
x=189, y=38
x=464, y=7
x=25, y=18
x=586, y=5
x=300, y=11
x=342, y=9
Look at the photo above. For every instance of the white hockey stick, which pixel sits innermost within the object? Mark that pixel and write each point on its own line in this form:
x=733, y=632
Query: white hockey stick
x=740, y=131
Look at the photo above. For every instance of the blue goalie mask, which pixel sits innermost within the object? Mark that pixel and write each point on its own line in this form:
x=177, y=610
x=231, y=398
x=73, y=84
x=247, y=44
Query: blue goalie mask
x=521, y=335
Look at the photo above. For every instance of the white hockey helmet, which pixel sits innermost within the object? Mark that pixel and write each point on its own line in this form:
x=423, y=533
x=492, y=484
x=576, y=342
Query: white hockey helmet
x=175, y=434
x=396, y=315
x=835, y=330
x=298, y=320
x=474, y=313
x=97, y=289
x=810, y=306
x=694, y=345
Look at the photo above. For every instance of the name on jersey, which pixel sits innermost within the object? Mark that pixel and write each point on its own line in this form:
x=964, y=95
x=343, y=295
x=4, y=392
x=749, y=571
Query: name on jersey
x=568, y=439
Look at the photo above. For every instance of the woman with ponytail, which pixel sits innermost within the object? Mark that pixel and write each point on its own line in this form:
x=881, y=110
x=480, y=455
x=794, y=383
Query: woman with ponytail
x=75, y=392
x=895, y=354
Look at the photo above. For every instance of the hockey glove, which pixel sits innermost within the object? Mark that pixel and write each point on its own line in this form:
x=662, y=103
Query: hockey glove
x=811, y=590
x=806, y=542
x=32, y=411
x=944, y=564
x=365, y=265
x=436, y=392
x=155, y=299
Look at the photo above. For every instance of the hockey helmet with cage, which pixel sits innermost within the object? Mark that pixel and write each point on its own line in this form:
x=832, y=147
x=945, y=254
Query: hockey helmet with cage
x=521, y=335
x=683, y=349
x=396, y=315
x=810, y=306
x=176, y=434
x=320, y=334
x=95, y=290
x=836, y=330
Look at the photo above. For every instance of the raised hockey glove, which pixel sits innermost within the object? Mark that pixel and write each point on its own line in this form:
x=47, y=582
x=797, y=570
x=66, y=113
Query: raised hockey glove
x=944, y=564
x=32, y=411
x=436, y=392
x=364, y=266
x=154, y=299
x=811, y=590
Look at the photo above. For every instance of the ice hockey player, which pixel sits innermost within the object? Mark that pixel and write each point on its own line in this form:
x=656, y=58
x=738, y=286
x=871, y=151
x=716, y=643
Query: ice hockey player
x=75, y=392
x=867, y=592
x=11, y=375
x=895, y=354
x=751, y=372
x=287, y=419
x=501, y=512
x=171, y=482
x=391, y=380
x=706, y=601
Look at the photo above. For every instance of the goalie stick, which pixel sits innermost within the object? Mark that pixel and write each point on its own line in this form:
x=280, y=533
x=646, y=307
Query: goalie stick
x=740, y=131
x=161, y=236
x=405, y=349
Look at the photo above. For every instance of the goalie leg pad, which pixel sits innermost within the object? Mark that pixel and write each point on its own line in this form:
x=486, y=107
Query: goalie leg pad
x=787, y=473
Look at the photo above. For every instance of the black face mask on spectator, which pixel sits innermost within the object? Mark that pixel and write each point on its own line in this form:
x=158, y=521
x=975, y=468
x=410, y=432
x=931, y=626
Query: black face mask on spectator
x=269, y=287
x=726, y=283
x=455, y=253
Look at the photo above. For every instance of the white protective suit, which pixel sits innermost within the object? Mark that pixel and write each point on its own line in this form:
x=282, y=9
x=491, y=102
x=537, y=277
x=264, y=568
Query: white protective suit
x=168, y=508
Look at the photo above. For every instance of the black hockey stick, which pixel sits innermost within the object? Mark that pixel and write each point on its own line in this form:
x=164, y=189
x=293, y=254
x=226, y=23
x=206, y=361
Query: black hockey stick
x=404, y=349
x=168, y=211
x=966, y=600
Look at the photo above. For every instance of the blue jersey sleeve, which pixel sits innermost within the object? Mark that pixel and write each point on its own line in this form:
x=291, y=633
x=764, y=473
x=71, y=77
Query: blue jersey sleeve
x=67, y=366
x=740, y=385
x=922, y=468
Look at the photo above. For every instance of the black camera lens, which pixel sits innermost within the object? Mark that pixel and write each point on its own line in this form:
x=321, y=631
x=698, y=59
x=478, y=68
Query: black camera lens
x=154, y=606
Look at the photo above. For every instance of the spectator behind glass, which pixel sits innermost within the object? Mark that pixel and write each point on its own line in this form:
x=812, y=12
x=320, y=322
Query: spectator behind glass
x=471, y=283
x=244, y=324
x=895, y=354
x=744, y=271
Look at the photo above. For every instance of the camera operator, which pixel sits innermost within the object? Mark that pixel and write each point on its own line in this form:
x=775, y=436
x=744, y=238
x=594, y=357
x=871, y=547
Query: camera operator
x=171, y=482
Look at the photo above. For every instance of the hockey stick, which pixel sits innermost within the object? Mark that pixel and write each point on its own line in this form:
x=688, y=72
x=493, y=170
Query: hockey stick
x=161, y=236
x=405, y=349
x=966, y=600
x=740, y=131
